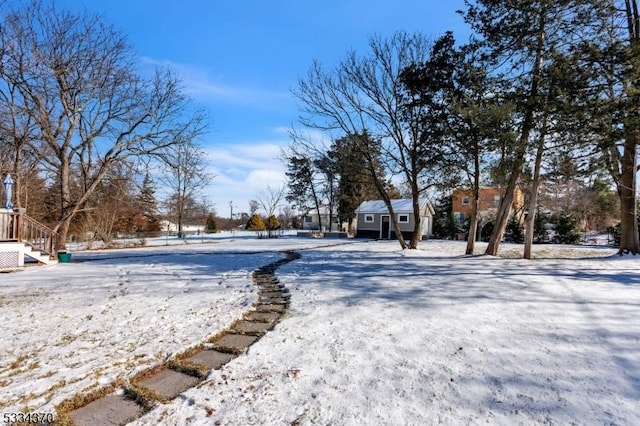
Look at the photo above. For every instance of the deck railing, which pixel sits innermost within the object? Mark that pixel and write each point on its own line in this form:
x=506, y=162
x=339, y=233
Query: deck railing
x=17, y=226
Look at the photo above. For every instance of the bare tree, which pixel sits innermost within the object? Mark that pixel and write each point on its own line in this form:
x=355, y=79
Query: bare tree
x=184, y=175
x=361, y=96
x=74, y=77
x=254, y=205
x=271, y=200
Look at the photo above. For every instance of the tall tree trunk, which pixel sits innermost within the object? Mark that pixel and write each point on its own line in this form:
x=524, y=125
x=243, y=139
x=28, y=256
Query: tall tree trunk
x=527, y=126
x=417, y=232
x=63, y=232
x=363, y=147
x=473, y=224
x=64, y=222
x=529, y=224
x=629, y=240
x=17, y=176
x=417, y=228
x=473, y=220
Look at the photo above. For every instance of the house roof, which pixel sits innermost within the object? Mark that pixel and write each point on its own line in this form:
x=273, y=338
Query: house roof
x=404, y=205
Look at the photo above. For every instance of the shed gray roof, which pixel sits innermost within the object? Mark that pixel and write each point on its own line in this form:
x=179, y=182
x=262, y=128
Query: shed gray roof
x=399, y=206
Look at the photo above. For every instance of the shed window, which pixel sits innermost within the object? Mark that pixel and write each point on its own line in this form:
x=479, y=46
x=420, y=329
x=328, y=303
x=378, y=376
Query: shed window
x=308, y=219
x=368, y=218
x=403, y=218
x=465, y=201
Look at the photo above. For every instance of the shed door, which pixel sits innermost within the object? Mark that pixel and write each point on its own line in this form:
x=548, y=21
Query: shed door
x=424, y=225
x=385, y=227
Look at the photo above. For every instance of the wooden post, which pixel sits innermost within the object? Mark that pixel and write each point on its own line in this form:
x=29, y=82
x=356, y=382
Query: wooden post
x=18, y=224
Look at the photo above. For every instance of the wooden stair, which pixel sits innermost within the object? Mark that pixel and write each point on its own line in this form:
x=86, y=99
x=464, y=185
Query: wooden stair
x=25, y=241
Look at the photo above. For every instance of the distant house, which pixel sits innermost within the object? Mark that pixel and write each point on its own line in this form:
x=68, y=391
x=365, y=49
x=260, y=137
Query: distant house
x=373, y=220
x=312, y=222
x=170, y=227
x=489, y=199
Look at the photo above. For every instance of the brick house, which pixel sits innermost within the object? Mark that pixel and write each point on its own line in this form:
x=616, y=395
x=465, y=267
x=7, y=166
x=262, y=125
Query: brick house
x=488, y=202
x=489, y=199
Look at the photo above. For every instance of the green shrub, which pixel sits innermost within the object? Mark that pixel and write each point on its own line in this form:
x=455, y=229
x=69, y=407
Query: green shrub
x=567, y=230
x=212, y=226
x=514, y=233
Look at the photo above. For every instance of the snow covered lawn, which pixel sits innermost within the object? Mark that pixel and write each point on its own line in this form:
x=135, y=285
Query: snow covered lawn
x=375, y=335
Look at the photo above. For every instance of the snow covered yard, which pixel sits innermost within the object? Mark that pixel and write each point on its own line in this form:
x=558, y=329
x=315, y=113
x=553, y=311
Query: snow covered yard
x=74, y=327
x=381, y=336
x=375, y=335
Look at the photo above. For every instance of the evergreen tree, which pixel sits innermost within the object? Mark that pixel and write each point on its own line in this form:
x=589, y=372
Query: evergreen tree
x=212, y=225
x=523, y=38
x=272, y=225
x=149, y=205
x=301, y=184
x=609, y=114
x=355, y=183
x=256, y=224
x=567, y=228
x=444, y=224
x=514, y=232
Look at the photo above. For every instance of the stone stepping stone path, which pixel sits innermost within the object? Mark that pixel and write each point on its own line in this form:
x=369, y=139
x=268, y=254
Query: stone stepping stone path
x=166, y=382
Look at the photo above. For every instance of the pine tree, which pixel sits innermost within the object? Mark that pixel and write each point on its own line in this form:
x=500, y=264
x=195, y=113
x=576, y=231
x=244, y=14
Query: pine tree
x=301, y=184
x=523, y=37
x=355, y=182
x=212, y=226
x=613, y=116
x=149, y=205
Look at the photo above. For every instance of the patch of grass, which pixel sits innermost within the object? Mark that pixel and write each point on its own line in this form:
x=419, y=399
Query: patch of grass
x=144, y=397
x=189, y=368
x=18, y=362
x=57, y=385
x=46, y=375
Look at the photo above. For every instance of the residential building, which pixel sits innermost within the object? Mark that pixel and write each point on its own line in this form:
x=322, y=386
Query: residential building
x=373, y=219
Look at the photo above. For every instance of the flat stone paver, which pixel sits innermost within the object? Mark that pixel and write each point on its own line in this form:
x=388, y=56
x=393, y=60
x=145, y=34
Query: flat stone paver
x=213, y=360
x=107, y=411
x=267, y=307
x=271, y=294
x=271, y=287
x=168, y=383
x=262, y=316
x=252, y=327
x=235, y=342
x=274, y=300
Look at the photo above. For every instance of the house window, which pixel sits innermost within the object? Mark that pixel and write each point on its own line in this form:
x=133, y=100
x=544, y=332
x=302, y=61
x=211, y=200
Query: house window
x=368, y=218
x=465, y=201
x=308, y=219
x=403, y=218
x=496, y=200
x=459, y=217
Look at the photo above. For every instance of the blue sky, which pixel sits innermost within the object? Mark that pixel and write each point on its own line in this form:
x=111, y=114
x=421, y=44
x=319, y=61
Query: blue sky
x=240, y=60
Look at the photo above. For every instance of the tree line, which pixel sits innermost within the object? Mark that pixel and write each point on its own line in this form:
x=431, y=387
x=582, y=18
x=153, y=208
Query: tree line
x=81, y=128
x=539, y=83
